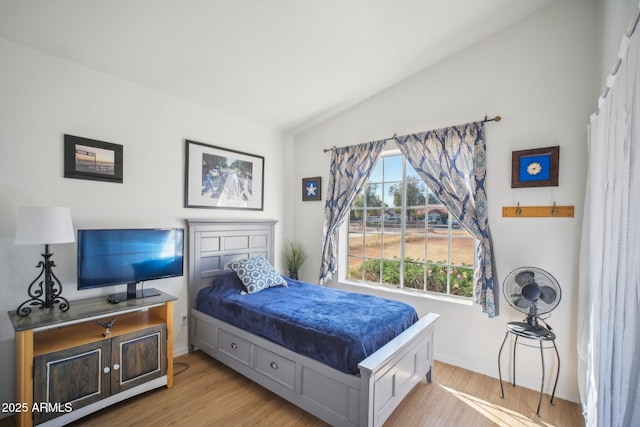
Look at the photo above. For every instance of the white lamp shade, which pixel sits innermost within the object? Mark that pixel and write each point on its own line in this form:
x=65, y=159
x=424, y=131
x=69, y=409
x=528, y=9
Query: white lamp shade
x=44, y=225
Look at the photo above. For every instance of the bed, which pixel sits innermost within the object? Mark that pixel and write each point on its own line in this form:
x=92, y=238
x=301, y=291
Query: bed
x=356, y=393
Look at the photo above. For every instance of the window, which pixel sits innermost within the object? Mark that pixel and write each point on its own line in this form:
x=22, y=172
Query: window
x=401, y=236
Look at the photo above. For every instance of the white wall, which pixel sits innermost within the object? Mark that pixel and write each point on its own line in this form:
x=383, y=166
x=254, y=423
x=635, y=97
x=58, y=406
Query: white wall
x=42, y=98
x=540, y=76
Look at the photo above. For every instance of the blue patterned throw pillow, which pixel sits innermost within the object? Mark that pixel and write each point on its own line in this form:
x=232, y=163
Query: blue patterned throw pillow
x=256, y=274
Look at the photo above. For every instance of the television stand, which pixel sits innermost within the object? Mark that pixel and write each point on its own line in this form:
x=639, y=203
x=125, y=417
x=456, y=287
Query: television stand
x=133, y=293
x=66, y=362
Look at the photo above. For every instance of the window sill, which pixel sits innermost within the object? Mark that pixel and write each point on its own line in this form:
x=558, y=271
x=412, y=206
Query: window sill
x=430, y=296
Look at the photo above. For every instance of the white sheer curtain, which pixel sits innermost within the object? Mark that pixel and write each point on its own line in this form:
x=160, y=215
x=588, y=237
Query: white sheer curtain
x=608, y=318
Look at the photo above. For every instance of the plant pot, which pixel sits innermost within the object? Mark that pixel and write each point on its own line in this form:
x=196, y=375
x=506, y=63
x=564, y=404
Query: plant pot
x=293, y=276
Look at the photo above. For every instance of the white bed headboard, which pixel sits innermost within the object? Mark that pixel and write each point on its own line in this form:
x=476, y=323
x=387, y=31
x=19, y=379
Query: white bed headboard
x=215, y=243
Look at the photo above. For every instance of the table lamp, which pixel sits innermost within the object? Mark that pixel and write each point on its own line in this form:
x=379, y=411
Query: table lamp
x=44, y=225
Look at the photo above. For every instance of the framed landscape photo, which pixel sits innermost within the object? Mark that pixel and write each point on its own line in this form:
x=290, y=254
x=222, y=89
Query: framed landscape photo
x=311, y=188
x=535, y=168
x=92, y=159
x=220, y=178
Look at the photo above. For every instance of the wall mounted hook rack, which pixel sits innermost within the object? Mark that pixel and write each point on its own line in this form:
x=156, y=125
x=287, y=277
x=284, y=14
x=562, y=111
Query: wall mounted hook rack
x=538, y=211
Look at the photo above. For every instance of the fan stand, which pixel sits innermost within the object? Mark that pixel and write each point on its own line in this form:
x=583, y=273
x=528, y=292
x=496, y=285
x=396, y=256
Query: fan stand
x=540, y=334
x=528, y=330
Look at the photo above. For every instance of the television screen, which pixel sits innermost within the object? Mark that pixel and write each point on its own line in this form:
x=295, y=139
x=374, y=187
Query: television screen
x=113, y=257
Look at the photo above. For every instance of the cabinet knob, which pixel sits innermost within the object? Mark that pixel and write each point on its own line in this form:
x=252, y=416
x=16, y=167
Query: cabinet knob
x=234, y=345
x=273, y=365
x=107, y=369
x=116, y=367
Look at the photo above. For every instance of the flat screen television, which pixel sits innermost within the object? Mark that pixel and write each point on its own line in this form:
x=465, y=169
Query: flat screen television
x=119, y=256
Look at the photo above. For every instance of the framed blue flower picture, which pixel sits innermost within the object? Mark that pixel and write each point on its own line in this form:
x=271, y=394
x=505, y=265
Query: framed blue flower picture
x=311, y=188
x=535, y=168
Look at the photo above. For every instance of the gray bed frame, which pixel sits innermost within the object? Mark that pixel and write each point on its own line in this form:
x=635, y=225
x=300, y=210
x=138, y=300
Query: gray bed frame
x=340, y=399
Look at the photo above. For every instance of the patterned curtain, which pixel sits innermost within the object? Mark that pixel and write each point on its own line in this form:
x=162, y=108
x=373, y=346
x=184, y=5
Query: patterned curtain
x=350, y=170
x=452, y=161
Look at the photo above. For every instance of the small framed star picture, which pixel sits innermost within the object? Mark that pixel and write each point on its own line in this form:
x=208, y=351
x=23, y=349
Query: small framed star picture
x=535, y=168
x=311, y=188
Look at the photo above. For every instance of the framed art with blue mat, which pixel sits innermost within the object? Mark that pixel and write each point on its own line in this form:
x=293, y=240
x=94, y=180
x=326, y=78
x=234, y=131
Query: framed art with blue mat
x=535, y=168
x=311, y=188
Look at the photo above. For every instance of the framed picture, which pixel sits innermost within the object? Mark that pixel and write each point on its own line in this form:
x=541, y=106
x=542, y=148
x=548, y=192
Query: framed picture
x=220, y=178
x=92, y=159
x=311, y=188
x=535, y=168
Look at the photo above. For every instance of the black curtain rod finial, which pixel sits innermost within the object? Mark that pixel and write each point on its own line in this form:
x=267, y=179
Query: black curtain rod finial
x=326, y=150
x=495, y=119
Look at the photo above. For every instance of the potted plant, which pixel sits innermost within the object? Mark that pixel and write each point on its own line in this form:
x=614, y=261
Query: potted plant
x=294, y=256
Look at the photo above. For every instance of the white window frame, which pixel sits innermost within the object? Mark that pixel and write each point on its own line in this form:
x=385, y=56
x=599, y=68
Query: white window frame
x=343, y=237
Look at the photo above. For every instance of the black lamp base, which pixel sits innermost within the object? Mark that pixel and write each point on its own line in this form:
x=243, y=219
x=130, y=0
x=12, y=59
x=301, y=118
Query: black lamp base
x=50, y=287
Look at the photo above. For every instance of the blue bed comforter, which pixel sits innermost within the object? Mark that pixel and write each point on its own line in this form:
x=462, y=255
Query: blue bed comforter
x=335, y=327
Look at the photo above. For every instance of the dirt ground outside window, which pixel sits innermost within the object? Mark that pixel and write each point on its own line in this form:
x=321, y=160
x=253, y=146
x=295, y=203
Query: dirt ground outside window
x=367, y=247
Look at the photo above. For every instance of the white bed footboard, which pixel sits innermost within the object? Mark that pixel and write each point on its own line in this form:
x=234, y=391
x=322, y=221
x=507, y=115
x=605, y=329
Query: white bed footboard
x=390, y=373
x=340, y=399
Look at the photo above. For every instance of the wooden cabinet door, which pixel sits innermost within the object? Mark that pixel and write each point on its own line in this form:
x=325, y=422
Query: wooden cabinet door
x=70, y=379
x=138, y=357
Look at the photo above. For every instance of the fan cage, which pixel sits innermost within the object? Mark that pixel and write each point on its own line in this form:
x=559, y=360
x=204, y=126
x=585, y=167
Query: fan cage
x=519, y=278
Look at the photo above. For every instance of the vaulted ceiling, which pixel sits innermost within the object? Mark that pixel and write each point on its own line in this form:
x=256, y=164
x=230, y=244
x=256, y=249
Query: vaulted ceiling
x=284, y=64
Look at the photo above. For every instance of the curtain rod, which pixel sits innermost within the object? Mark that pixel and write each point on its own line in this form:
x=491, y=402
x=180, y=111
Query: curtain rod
x=486, y=119
x=621, y=55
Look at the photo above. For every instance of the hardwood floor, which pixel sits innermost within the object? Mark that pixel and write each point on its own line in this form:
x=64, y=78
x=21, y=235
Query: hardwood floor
x=210, y=394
